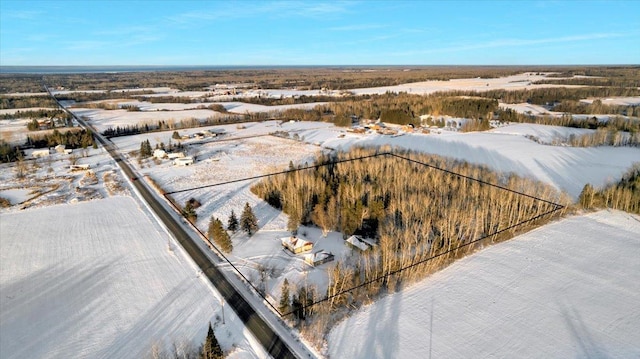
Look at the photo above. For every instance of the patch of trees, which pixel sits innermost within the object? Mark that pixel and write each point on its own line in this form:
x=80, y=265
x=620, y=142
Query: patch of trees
x=604, y=136
x=399, y=108
x=42, y=113
x=219, y=235
x=169, y=99
x=12, y=102
x=551, y=95
x=20, y=83
x=567, y=120
x=167, y=125
x=413, y=212
x=9, y=153
x=274, y=101
x=145, y=149
x=189, y=209
x=72, y=138
x=596, y=107
x=100, y=95
x=623, y=195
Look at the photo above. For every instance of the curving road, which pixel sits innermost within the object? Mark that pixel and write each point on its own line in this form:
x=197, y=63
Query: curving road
x=272, y=343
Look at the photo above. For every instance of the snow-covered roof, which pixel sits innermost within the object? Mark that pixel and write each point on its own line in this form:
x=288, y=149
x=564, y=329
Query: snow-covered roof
x=317, y=256
x=294, y=242
x=359, y=242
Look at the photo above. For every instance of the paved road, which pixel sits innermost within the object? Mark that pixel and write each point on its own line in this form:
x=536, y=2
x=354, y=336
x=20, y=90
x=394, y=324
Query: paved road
x=273, y=344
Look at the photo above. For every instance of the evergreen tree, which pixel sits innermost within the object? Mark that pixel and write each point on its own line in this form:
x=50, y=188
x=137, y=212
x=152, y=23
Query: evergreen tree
x=217, y=234
x=248, y=220
x=232, y=224
x=283, y=307
x=211, y=348
x=190, y=212
x=145, y=149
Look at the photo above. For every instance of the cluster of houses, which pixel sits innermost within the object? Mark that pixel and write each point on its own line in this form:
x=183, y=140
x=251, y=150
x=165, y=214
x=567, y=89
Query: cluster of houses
x=48, y=151
x=315, y=258
x=178, y=158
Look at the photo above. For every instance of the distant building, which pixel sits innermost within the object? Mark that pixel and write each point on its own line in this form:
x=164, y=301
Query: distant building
x=174, y=155
x=159, y=154
x=40, y=153
x=79, y=167
x=184, y=161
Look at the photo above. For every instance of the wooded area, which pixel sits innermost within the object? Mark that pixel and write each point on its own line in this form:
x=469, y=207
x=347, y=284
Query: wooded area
x=412, y=209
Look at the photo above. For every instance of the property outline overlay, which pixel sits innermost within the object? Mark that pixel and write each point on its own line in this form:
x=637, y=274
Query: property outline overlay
x=556, y=207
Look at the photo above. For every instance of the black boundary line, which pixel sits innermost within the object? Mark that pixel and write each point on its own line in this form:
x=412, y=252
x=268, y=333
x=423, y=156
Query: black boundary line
x=221, y=254
x=423, y=261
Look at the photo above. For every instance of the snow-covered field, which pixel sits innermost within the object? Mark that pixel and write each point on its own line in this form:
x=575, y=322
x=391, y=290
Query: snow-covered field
x=100, y=279
x=121, y=285
x=567, y=290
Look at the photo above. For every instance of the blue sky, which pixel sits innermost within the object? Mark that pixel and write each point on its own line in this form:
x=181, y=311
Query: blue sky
x=318, y=32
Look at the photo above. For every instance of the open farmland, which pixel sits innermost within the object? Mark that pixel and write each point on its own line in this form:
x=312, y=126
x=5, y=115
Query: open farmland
x=99, y=279
x=566, y=290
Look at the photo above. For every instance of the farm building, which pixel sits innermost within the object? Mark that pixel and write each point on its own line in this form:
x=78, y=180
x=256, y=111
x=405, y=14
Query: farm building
x=317, y=258
x=40, y=153
x=296, y=245
x=174, y=155
x=184, y=161
x=359, y=243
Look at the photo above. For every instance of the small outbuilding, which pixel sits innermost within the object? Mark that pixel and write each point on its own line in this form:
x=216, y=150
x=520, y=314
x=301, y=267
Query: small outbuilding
x=184, y=161
x=317, y=258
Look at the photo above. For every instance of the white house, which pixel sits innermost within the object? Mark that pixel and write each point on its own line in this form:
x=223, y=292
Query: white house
x=296, y=245
x=159, y=154
x=40, y=153
x=184, y=161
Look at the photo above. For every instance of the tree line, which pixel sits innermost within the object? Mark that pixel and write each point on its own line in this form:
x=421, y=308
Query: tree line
x=41, y=113
x=72, y=138
x=12, y=102
x=623, y=195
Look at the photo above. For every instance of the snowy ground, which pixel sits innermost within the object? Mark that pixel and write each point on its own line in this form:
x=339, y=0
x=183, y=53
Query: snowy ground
x=623, y=101
x=254, y=153
x=99, y=279
x=567, y=290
